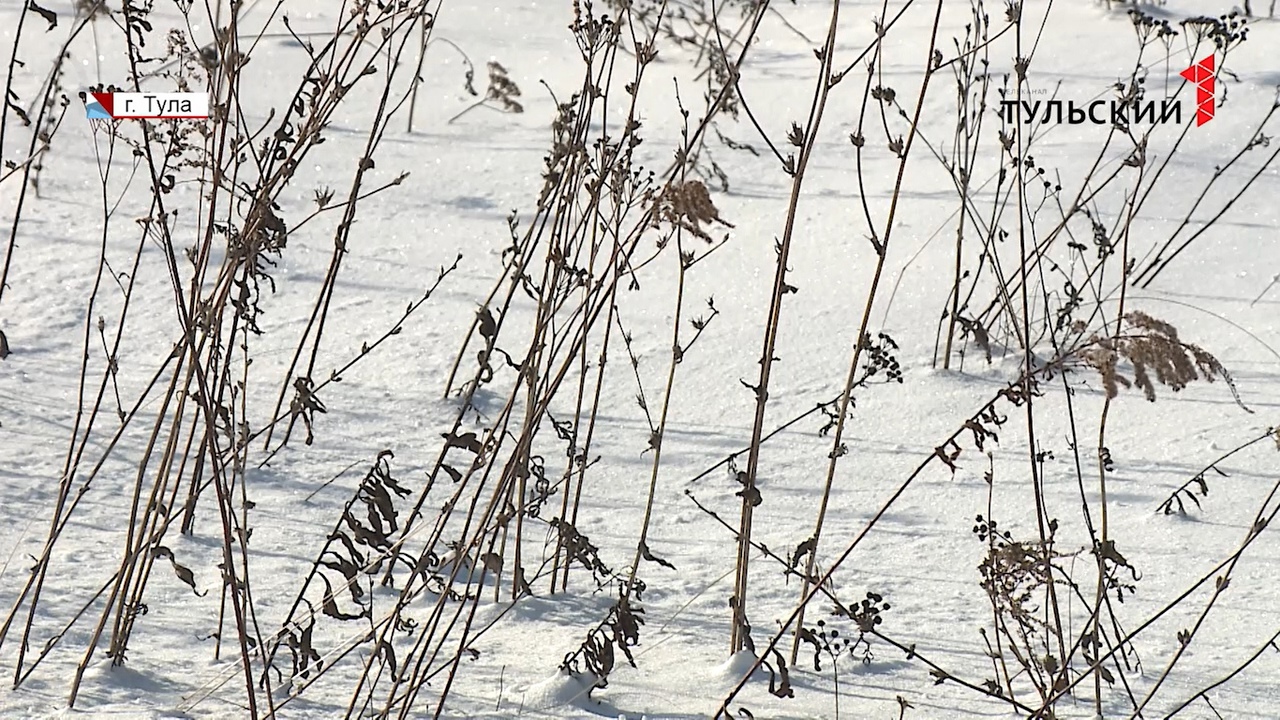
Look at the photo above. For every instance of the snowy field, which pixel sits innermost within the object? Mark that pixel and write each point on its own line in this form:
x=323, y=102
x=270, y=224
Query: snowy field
x=485, y=395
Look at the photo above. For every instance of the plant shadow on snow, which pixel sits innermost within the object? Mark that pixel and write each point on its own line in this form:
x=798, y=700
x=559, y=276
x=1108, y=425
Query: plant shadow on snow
x=109, y=684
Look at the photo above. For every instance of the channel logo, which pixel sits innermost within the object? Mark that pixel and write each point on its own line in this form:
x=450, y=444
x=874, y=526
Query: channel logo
x=1201, y=74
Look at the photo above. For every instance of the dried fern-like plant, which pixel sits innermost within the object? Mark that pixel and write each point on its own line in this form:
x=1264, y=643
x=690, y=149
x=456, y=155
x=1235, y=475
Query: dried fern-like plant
x=688, y=205
x=1152, y=347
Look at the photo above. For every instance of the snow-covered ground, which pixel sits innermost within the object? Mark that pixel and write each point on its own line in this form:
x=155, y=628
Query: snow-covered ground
x=466, y=175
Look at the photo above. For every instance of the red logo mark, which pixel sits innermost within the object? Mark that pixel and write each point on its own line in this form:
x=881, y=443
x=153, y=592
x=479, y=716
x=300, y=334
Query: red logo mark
x=104, y=99
x=1202, y=75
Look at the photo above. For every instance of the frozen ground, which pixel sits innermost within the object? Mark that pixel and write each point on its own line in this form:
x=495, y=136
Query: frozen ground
x=466, y=176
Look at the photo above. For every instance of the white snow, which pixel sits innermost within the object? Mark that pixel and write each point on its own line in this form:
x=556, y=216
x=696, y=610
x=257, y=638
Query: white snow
x=922, y=557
